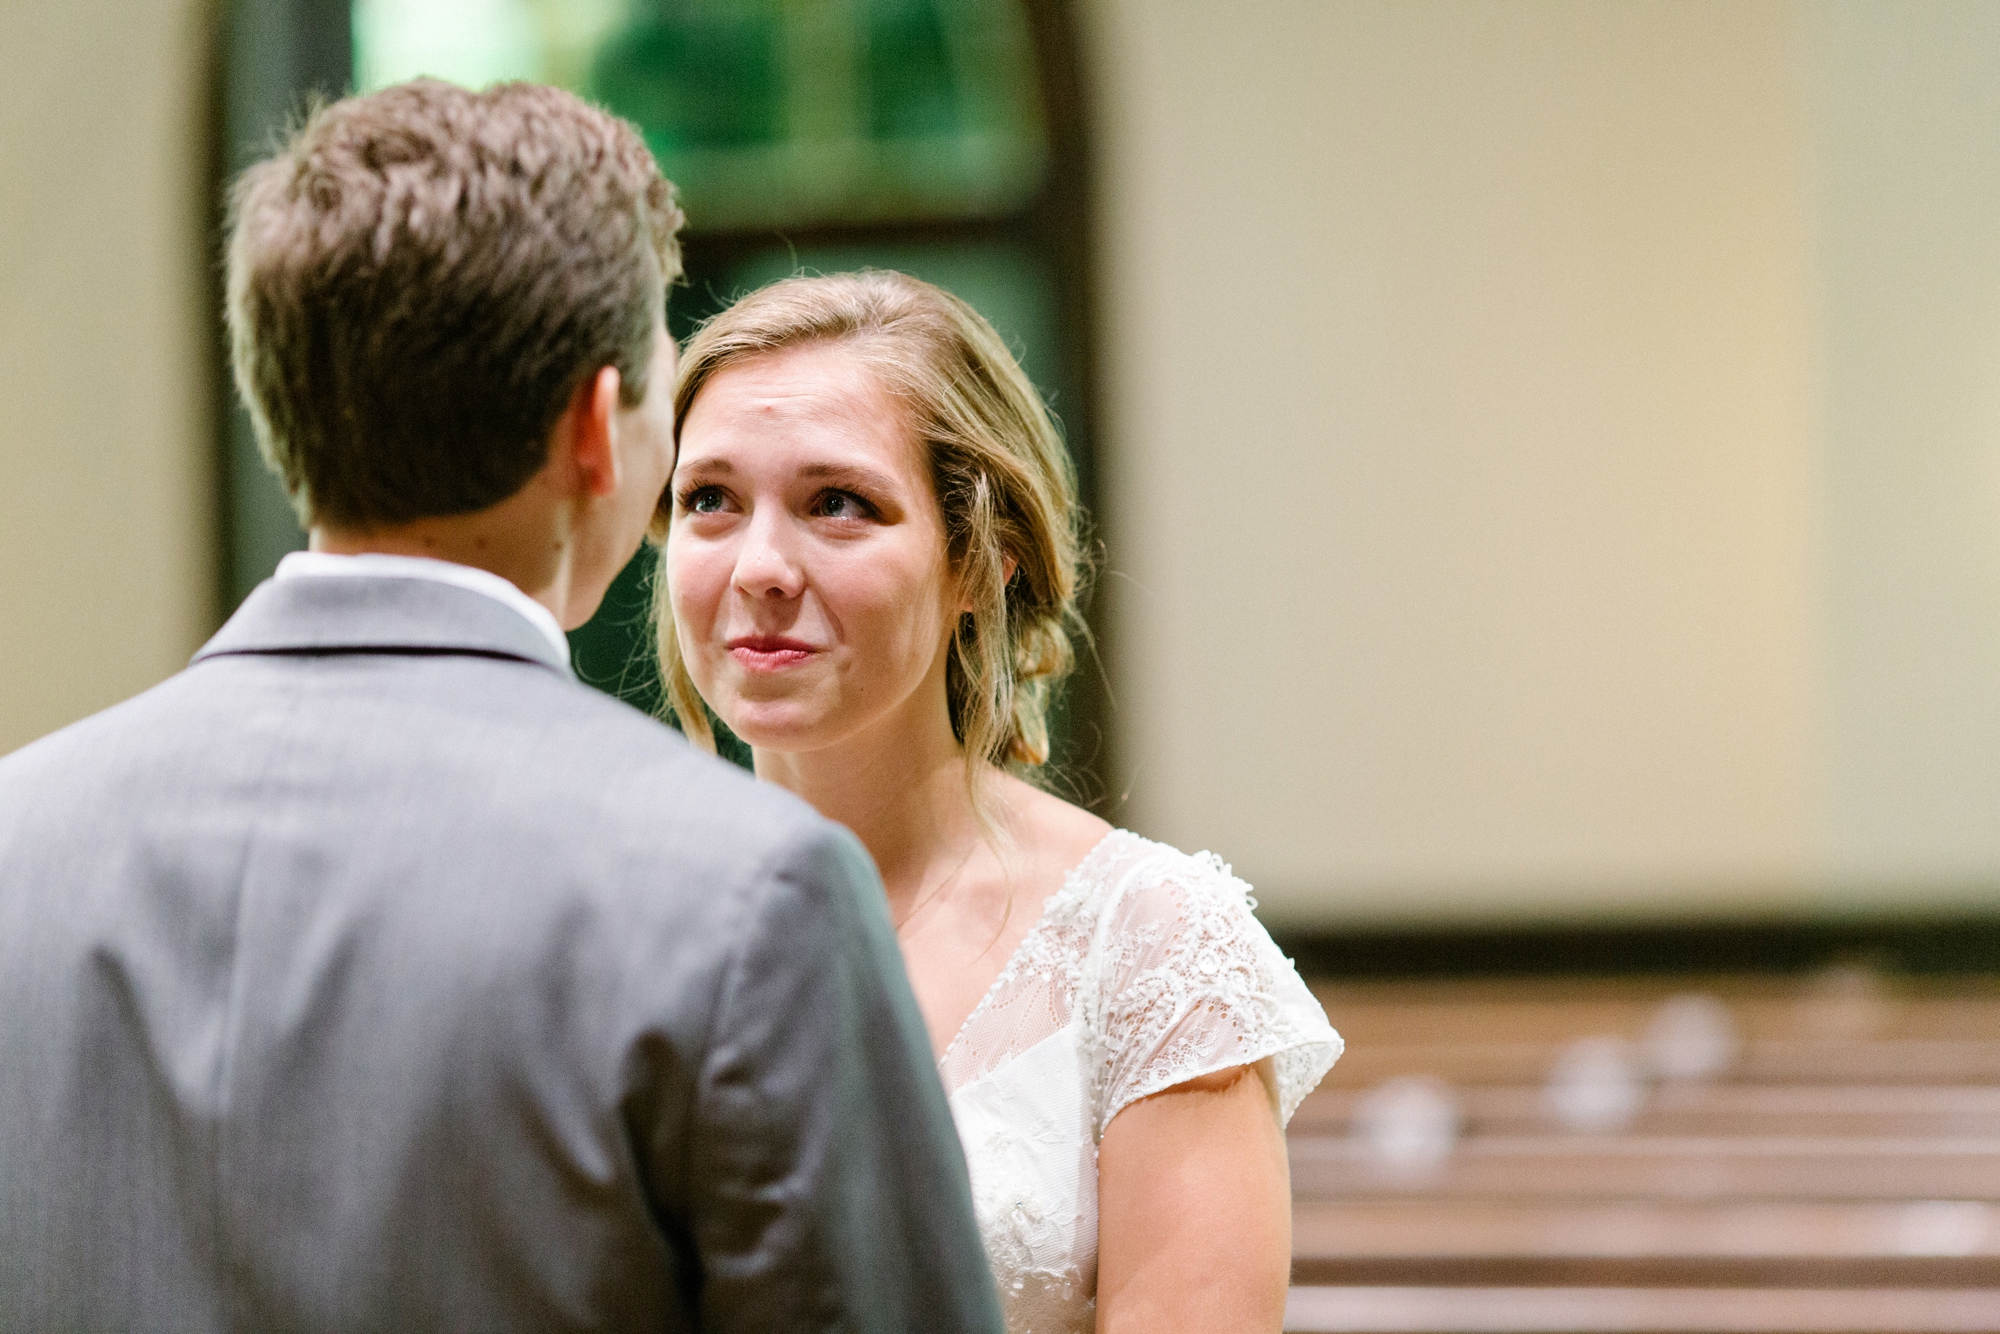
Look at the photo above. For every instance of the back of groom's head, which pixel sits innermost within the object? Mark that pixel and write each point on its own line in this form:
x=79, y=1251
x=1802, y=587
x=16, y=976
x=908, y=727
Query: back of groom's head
x=421, y=279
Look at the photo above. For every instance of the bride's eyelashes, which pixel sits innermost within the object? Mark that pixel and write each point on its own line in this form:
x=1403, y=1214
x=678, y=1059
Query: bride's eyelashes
x=834, y=503
x=702, y=498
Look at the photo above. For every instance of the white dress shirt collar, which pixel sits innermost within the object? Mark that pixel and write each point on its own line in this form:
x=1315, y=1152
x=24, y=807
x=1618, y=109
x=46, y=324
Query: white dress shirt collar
x=317, y=564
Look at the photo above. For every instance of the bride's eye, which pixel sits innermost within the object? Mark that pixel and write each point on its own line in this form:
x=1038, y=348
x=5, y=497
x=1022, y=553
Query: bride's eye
x=702, y=499
x=842, y=505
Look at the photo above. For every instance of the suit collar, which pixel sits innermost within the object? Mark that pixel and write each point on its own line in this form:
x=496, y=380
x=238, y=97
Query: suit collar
x=386, y=614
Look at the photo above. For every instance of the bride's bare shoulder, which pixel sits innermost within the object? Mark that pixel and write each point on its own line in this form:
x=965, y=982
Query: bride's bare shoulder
x=1050, y=832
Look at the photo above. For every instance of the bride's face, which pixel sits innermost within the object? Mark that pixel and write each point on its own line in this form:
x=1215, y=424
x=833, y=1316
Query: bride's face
x=806, y=561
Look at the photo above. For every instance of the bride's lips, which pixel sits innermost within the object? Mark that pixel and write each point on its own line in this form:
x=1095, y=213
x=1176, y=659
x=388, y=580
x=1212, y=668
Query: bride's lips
x=769, y=653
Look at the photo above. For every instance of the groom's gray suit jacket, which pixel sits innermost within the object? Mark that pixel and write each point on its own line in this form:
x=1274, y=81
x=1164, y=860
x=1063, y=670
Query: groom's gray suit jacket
x=372, y=974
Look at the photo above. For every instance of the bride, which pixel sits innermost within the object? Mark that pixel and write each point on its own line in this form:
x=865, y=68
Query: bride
x=870, y=561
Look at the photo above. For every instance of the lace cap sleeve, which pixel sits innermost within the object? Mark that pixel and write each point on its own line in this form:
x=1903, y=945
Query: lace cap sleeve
x=1187, y=982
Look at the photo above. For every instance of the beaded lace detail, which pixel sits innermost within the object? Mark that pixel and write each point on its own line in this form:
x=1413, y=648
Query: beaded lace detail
x=1146, y=969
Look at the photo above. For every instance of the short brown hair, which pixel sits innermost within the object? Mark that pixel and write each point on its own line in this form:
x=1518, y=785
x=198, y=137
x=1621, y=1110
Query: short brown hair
x=1004, y=483
x=420, y=279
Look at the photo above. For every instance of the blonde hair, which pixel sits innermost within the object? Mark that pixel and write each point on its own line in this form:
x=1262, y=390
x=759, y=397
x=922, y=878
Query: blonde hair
x=1003, y=480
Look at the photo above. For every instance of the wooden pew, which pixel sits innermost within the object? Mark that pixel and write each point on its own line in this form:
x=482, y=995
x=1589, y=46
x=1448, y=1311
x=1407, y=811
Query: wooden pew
x=1841, y=1172
x=1640, y=1311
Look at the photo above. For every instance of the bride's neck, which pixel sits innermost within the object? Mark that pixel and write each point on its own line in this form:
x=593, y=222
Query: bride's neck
x=900, y=787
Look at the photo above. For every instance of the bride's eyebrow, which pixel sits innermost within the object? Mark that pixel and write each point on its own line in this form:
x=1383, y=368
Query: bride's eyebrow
x=702, y=466
x=848, y=474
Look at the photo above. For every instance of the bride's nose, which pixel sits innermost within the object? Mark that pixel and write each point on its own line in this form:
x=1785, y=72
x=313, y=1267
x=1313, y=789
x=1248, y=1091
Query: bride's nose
x=766, y=564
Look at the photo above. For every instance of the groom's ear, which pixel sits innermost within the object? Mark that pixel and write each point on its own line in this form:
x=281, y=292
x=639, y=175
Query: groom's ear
x=584, y=444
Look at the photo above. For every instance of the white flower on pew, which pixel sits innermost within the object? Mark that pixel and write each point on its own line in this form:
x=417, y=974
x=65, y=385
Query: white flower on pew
x=1944, y=1227
x=1407, y=1126
x=1691, y=1036
x=1596, y=1085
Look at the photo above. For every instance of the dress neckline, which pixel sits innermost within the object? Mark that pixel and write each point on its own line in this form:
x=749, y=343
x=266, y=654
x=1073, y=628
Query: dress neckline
x=1073, y=879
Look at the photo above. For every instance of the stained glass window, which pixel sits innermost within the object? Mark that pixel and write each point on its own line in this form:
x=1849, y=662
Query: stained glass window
x=765, y=112
x=814, y=135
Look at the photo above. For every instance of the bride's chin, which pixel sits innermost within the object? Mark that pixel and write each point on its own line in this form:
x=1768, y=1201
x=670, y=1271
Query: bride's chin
x=777, y=729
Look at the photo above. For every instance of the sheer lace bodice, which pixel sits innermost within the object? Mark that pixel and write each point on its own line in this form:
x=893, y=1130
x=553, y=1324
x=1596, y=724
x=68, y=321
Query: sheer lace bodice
x=1145, y=969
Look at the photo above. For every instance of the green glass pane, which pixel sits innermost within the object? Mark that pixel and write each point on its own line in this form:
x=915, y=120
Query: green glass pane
x=828, y=111
x=471, y=42
x=695, y=77
x=909, y=83
x=765, y=112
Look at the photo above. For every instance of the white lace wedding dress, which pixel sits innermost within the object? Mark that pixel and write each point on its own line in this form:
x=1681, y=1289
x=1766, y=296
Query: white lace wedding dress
x=1144, y=970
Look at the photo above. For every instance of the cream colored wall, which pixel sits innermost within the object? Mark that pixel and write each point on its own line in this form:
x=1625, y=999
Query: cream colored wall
x=1906, y=153
x=1461, y=451
x=106, y=552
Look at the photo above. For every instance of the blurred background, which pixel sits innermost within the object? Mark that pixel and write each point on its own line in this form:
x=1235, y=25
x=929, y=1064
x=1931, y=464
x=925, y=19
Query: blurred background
x=1544, y=457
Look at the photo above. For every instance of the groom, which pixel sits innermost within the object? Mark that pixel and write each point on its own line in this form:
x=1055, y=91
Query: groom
x=371, y=974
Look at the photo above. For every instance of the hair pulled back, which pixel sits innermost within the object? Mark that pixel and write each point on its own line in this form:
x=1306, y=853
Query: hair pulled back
x=1003, y=480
